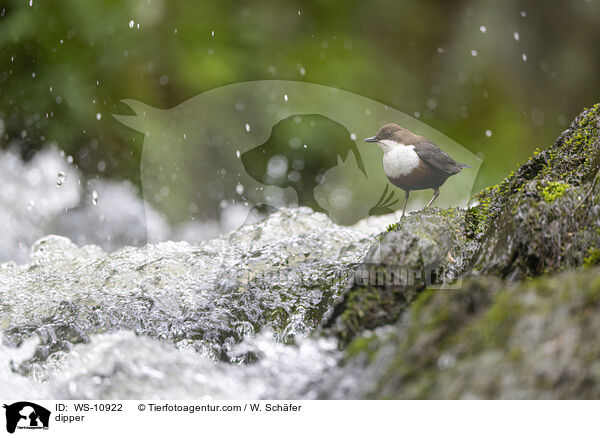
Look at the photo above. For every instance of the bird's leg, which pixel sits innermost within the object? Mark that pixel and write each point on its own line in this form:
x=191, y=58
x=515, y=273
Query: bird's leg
x=406, y=194
x=436, y=192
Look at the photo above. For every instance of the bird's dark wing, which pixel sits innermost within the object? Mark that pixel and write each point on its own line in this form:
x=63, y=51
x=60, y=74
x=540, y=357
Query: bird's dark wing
x=434, y=156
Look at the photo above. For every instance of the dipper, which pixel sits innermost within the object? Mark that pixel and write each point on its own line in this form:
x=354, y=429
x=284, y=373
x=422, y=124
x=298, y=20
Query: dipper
x=412, y=162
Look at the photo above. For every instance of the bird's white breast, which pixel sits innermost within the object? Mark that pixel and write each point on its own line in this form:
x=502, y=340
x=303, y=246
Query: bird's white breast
x=400, y=160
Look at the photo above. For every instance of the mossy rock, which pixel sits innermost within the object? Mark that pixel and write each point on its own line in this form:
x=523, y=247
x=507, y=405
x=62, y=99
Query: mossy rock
x=490, y=339
x=537, y=232
x=422, y=250
x=524, y=323
x=544, y=217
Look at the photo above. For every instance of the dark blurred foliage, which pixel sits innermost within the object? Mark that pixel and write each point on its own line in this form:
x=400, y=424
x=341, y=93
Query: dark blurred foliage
x=64, y=66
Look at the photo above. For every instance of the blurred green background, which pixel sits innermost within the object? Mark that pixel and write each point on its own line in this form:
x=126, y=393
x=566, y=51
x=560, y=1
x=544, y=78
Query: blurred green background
x=499, y=77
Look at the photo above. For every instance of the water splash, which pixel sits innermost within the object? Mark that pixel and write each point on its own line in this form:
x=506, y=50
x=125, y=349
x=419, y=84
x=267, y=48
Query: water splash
x=283, y=273
x=60, y=179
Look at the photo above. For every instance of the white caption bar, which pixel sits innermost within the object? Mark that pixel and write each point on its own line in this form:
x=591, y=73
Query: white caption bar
x=299, y=417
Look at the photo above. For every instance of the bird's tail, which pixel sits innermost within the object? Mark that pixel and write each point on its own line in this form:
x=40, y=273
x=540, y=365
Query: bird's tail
x=462, y=165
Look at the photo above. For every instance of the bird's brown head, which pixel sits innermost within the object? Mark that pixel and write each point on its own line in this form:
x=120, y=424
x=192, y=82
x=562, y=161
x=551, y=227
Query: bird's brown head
x=392, y=133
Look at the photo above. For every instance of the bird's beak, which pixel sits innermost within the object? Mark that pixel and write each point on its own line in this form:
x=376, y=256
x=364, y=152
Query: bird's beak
x=371, y=139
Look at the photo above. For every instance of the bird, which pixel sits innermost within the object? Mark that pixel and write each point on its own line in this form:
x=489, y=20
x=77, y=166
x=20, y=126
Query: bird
x=412, y=162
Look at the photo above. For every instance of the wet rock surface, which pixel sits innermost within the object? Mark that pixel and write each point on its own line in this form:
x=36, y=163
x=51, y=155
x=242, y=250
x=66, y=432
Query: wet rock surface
x=545, y=216
x=424, y=249
x=490, y=339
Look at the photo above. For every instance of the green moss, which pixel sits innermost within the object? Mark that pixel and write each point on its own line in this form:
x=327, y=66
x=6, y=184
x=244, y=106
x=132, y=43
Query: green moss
x=593, y=293
x=544, y=191
x=391, y=228
x=490, y=337
x=514, y=354
x=450, y=213
x=494, y=327
x=575, y=157
x=592, y=258
x=363, y=345
x=479, y=216
x=362, y=310
x=553, y=190
x=421, y=300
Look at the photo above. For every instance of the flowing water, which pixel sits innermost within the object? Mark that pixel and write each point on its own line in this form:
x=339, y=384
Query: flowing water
x=232, y=317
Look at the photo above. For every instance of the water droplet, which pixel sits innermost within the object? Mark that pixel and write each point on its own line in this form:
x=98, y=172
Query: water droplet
x=488, y=133
x=98, y=116
x=353, y=136
x=94, y=198
x=70, y=159
x=483, y=29
x=562, y=120
x=239, y=189
x=131, y=23
x=516, y=36
x=523, y=14
x=285, y=97
x=212, y=33
x=524, y=57
x=440, y=50
x=237, y=153
x=247, y=127
x=537, y=116
x=60, y=178
x=473, y=52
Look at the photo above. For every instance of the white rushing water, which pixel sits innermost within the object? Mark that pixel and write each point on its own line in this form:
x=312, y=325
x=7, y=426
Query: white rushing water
x=231, y=317
x=125, y=366
x=235, y=299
